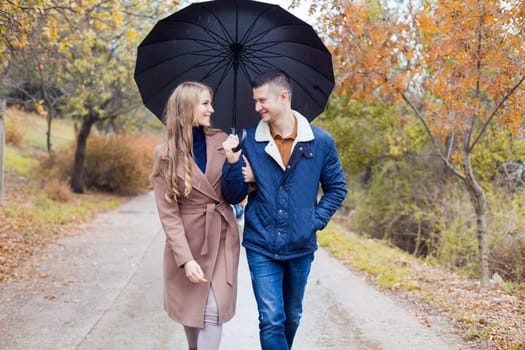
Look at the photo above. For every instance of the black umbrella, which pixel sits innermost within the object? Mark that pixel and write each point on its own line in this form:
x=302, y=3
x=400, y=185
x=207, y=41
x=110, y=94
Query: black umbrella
x=225, y=44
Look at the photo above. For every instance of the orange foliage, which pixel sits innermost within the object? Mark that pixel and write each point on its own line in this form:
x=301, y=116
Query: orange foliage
x=456, y=60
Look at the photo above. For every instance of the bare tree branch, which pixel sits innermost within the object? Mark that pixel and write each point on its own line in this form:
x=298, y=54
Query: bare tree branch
x=478, y=85
x=493, y=114
x=434, y=142
x=451, y=144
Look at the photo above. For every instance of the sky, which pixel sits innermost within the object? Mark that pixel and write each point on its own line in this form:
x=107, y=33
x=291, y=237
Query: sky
x=301, y=11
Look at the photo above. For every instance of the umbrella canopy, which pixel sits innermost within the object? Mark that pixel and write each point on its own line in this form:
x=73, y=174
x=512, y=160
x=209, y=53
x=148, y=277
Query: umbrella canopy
x=225, y=44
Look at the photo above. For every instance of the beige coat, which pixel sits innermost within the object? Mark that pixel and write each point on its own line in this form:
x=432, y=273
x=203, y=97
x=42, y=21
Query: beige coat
x=201, y=227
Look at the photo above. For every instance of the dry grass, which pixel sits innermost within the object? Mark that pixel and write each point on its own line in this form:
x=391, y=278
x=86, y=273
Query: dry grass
x=57, y=190
x=490, y=317
x=30, y=220
x=14, y=129
x=38, y=205
x=119, y=164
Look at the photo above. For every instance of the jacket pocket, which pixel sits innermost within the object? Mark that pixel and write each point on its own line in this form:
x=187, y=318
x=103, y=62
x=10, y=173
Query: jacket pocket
x=304, y=228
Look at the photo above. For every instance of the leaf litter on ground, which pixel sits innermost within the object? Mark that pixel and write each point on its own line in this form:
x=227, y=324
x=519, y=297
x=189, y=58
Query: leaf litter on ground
x=485, y=318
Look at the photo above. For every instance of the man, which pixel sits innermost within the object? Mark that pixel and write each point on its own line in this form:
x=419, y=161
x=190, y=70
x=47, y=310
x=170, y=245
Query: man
x=289, y=159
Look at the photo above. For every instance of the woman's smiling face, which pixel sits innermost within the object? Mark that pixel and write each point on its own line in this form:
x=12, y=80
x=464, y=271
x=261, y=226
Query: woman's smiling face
x=203, y=110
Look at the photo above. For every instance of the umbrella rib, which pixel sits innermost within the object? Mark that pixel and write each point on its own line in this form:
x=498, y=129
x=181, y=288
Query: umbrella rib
x=201, y=53
x=272, y=66
x=218, y=66
x=245, y=66
x=275, y=54
x=216, y=38
x=276, y=42
x=222, y=26
x=244, y=39
x=198, y=65
x=211, y=42
x=224, y=74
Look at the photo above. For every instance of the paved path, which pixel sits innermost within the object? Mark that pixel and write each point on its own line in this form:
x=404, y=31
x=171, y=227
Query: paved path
x=102, y=289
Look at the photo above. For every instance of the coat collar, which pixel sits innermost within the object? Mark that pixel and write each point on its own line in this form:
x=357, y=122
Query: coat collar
x=304, y=131
x=207, y=182
x=263, y=134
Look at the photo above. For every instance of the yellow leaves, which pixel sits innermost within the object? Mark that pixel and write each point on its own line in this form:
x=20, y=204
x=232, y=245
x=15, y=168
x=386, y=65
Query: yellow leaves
x=51, y=30
x=89, y=36
x=457, y=158
x=132, y=35
x=53, y=34
x=39, y=106
x=62, y=47
x=19, y=42
x=50, y=33
x=117, y=16
x=425, y=24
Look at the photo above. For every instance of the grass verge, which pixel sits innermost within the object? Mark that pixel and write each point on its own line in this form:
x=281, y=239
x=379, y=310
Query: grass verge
x=30, y=220
x=494, y=315
x=19, y=161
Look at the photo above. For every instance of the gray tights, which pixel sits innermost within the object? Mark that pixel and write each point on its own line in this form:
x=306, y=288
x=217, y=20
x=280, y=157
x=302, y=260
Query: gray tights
x=209, y=337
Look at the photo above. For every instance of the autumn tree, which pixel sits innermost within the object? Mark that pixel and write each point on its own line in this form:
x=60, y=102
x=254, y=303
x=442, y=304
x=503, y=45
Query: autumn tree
x=88, y=58
x=2, y=147
x=457, y=65
x=12, y=32
x=26, y=49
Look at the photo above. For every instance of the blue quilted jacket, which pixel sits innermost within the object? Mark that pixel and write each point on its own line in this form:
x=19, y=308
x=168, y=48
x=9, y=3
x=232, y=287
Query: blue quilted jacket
x=285, y=211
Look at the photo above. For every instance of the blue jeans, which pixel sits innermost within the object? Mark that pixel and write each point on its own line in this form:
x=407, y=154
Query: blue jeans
x=279, y=290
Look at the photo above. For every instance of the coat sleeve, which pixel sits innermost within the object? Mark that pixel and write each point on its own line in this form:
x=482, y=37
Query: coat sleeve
x=170, y=219
x=234, y=189
x=333, y=184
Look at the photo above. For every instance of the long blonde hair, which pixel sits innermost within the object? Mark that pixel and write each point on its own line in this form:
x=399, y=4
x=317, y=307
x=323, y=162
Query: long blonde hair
x=177, y=148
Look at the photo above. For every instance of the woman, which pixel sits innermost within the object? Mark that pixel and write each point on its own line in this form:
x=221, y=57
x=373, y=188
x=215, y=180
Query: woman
x=202, y=242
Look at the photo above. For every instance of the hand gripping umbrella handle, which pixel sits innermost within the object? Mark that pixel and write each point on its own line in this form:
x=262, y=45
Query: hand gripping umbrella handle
x=242, y=139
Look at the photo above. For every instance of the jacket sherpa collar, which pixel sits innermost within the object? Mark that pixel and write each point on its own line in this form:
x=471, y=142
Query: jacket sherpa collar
x=304, y=131
x=263, y=134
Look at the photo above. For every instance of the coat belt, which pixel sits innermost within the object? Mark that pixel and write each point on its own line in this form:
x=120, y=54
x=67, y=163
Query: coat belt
x=210, y=209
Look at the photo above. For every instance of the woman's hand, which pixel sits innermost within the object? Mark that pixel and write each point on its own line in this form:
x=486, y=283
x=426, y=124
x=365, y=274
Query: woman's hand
x=247, y=171
x=194, y=272
x=228, y=146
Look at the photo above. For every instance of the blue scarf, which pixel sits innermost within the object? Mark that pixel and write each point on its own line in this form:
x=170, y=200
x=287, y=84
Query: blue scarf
x=199, y=147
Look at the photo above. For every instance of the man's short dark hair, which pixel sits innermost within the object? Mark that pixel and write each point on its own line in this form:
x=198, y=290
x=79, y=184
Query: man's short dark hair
x=276, y=77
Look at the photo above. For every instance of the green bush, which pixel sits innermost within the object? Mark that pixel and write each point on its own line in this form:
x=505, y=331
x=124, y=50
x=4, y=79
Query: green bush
x=494, y=149
x=400, y=190
x=507, y=234
x=418, y=207
x=456, y=245
x=366, y=133
x=398, y=203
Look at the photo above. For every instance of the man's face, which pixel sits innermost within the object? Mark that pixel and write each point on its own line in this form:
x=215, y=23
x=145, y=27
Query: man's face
x=269, y=102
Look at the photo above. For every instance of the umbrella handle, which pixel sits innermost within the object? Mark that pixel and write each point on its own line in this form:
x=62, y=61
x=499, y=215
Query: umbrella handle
x=242, y=139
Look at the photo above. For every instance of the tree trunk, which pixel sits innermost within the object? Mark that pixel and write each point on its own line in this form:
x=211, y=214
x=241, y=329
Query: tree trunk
x=479, y=200
x=77, y=180
x=2, y=147
x=48, y=133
